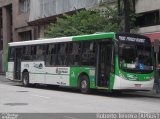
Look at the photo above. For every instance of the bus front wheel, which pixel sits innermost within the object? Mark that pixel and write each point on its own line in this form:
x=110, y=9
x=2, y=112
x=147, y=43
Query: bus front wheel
x=84, y=84
x=25, y=79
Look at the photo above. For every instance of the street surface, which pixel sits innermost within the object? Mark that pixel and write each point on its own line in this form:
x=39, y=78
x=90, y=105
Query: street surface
x=14, y=98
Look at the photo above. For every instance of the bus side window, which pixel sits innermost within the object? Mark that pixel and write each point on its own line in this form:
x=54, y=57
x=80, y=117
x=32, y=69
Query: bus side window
x=26, y=53
x=51, y=55
x=33, y=52
x=11, y=54
x=88, y=54
x=62, y=54
x=40, y=52
x=74, y=54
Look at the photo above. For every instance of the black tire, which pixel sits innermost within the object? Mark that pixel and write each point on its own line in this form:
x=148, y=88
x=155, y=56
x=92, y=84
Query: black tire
x=25, y=79
x=84, y=84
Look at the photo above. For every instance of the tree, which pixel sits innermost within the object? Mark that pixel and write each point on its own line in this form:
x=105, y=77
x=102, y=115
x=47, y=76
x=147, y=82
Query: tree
x=85, y=22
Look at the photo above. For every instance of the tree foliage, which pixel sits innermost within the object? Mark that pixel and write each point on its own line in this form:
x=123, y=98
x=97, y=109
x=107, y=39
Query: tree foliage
x=85, y=22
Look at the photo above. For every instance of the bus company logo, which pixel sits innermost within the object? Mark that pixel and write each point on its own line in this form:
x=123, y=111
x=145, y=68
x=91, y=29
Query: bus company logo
x=132, y=77
x=62, y=70
x=38, y=66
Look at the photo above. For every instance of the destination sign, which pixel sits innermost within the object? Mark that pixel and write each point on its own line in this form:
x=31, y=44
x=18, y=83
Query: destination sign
x=131, y=39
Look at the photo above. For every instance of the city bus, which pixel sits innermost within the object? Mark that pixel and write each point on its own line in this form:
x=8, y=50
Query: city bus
x=108, y=61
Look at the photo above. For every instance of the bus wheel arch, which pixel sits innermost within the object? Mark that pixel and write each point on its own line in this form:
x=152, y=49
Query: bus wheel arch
x=84, y=83
x=25, y=78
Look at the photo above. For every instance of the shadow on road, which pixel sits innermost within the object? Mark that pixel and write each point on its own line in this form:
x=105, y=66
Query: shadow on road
x=93, y=92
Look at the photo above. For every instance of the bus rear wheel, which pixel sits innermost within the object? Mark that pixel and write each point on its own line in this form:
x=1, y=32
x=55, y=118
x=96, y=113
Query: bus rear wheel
x=25, y=79
x=84, y=84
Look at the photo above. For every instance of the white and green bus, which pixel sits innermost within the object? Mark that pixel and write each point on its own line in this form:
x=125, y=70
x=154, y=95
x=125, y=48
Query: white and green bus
x=107, y=61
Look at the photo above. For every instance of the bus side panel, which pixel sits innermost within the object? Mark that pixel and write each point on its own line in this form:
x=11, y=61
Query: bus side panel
x=36, y=71
x=39, y=73
x=75, y=73
x=10, y=72
x=57, y=76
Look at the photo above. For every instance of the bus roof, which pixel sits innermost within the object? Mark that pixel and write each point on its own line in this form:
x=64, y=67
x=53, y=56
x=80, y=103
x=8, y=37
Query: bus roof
x=65, y=39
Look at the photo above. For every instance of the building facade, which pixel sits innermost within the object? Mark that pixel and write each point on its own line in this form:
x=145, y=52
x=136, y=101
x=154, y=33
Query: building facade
x=22, y=20
x=14, y=15
x=148, y=20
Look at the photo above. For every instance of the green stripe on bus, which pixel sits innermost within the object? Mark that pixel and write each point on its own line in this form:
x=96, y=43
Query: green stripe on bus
x=94, y=36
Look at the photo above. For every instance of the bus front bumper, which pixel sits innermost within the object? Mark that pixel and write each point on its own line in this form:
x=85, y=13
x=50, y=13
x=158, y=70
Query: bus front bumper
x=123, y=84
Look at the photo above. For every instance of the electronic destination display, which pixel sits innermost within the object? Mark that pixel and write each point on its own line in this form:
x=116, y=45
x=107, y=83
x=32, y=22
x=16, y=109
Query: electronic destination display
x=132, y=38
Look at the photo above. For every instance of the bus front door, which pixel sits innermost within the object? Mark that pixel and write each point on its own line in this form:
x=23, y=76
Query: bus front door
x=104, y=60
x=17, y=64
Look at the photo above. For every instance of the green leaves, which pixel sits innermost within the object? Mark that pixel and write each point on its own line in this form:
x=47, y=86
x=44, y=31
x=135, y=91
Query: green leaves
x=85, y=22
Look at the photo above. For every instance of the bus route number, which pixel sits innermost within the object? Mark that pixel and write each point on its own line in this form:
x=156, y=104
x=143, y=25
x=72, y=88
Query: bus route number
x=26, y=65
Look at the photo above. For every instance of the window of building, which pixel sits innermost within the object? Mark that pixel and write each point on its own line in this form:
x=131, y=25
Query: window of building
x=148, y=19
x=25, y=36
x=24, y=6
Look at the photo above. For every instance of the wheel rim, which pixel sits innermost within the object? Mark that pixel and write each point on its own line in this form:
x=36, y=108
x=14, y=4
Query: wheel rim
x=84, y=84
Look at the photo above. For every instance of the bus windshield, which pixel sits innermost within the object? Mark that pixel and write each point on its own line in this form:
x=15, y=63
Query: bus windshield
x=135, y=58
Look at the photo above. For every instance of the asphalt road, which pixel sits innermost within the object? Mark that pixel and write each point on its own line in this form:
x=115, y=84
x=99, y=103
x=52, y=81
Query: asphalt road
x=14, y=98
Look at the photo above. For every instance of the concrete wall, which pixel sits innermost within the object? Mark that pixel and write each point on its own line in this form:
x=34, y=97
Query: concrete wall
x=5, y=2
x=7, y=28
x=147, y=5
x=149, y=29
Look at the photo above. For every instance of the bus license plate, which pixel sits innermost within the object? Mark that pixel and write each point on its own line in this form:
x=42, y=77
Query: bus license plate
x=138, y=85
